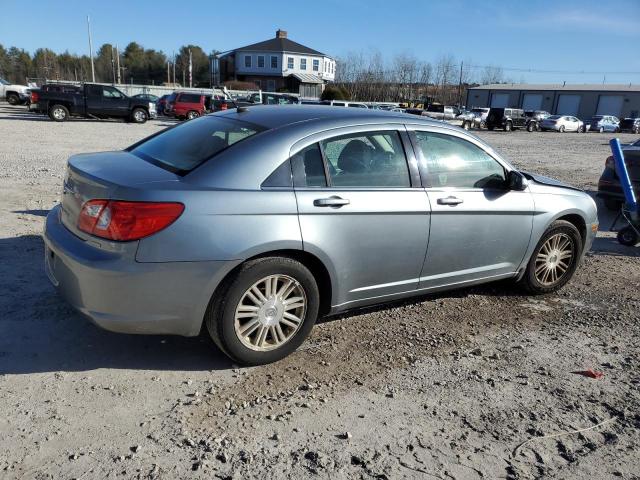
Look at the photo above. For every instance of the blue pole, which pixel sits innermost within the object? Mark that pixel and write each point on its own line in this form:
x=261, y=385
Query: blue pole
x=623, y=175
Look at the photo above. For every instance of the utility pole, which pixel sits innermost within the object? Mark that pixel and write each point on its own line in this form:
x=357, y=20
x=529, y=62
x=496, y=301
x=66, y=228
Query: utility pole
x=460, y=86
x=118, y=62
x=113, y=67
x=93, y=70
x=190, y=70
x=174, y=68
x=168, y=72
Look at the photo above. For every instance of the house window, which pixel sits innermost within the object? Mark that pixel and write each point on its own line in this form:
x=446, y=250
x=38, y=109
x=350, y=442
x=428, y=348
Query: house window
x=271, y=85
x=290, y=63
x=316, y=65
x=260, y=61
x=247, y=61
x=303, y=64
x=274, y=61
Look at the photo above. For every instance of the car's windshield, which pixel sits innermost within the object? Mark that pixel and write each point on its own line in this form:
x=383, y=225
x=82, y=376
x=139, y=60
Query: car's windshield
x=183, y=148
x=4, y=82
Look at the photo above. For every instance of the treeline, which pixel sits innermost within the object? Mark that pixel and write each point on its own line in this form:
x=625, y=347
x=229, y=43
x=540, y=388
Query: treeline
x=137, y=65
x=369, y=78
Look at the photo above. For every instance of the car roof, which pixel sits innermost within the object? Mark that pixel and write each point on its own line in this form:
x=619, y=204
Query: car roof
x=275, y=116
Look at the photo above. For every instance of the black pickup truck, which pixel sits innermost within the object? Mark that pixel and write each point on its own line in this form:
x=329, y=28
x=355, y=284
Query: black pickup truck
x=91, y=100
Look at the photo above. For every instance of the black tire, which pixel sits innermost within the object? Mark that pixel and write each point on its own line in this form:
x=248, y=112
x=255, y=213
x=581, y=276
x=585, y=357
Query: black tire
x=561, y=129
x=508, y=127
x=192, y=114
x=220, y=316
x=601, y=130
x=612, y=204
x=490, y=128
x=139, y=115
x=13, y=99
x=628, y=237
x=530, y=282
x=530, y=127
x=59, y=113
x=636, y=130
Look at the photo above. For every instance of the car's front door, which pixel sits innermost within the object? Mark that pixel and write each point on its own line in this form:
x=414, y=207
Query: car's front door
x=114, y=102
x=479, y=228
x=362, y=209
x=93, y=99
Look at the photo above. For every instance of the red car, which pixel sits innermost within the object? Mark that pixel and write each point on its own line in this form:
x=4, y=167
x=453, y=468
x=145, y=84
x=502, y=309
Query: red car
x=187, y=105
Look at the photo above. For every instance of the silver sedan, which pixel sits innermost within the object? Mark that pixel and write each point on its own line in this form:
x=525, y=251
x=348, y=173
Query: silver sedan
x=256, y=221
x=562, y=123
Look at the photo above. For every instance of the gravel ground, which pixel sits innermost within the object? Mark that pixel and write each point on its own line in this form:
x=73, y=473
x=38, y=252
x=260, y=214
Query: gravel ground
x=446, y=386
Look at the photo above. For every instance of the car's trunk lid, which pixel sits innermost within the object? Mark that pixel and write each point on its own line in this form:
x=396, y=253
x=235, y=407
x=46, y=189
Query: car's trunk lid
x=98, y=176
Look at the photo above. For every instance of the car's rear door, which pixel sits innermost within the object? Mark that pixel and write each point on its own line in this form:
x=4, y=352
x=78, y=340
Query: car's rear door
x=362, y=209
x=479, y=228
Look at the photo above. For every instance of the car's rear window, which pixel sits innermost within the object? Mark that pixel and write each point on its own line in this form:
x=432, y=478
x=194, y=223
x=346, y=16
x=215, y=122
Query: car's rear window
x=185, y=147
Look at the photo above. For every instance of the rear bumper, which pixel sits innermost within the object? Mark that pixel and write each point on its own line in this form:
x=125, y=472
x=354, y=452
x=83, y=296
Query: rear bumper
x=122, y=295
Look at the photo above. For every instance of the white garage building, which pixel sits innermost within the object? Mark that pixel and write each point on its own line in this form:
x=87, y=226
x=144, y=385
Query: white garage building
x=582, y=101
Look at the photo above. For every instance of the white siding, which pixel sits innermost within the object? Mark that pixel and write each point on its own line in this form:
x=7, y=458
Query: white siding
x=283, y=64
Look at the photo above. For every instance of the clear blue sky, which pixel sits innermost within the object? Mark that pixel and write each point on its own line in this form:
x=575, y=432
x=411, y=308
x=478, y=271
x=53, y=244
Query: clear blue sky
x=583, y=35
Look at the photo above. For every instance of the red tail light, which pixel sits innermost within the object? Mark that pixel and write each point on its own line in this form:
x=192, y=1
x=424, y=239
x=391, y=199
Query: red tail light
x=35, y=97
x=126, y=221
x=609, y=163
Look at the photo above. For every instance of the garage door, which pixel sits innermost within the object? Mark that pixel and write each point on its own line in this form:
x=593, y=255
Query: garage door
x=610, y=105
x=532, y=101
x=500, y=100
x=568, y=105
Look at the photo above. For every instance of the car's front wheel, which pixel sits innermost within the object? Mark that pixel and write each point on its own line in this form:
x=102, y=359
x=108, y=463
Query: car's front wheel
x=13, y=99
x=554, y=259
x=264, y=311
x=139, y=115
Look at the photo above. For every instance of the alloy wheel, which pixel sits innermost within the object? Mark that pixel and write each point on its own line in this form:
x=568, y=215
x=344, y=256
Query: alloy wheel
x=139, y=116
x=554, y=259
x=59, y=114
x=270, y=312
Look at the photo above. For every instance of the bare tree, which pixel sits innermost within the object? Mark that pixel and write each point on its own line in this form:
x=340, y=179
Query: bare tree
x=492, y=74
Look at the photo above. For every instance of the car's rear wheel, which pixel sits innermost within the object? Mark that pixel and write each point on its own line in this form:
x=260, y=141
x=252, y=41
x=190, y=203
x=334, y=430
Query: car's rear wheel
x=554, y=259
x=561, y=129
x=530, y=127
x=264, y=311
x=139, y=115
x=508, y=127
x=628, y=237
x=636, y=130
x=601, y=130
x=192, y=114
x=58, y=113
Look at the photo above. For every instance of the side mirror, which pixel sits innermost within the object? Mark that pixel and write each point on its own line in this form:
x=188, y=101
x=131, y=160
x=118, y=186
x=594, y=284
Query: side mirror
x=516, y=181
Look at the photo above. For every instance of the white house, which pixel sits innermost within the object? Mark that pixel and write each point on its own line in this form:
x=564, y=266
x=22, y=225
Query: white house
x=279, y=64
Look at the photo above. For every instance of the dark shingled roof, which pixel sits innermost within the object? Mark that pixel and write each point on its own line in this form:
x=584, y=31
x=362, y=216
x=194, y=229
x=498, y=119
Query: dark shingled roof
x=280, y=45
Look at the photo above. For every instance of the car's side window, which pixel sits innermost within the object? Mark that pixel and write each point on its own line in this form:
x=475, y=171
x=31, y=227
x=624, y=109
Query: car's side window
x=453, y=162
x=371, y=159
x=308, y=168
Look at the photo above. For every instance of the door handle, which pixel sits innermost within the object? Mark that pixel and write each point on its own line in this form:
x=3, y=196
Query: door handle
x=333, y=201
x=453, y=201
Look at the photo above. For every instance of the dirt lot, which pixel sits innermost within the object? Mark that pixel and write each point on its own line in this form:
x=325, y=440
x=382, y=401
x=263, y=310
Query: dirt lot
x=447, y=386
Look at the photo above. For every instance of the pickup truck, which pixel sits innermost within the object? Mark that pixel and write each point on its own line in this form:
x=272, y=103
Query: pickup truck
x=13, y=94
x=91, y=100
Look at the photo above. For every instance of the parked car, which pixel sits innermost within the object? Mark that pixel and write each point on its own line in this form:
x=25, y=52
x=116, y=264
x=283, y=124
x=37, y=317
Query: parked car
x=161, y=104
x=604, y=123
x=92, y=101
x=562, y=123
x=631, y=125
x=506, y=118
x=609, y=188
x=14, y=94
x=34, y=102
x=273, y=98
x=481, y=112
x=416, y=111
x=441, y=112
x=146, y=97
x=187, y=105
x=534, y=117
x=203, y=224
x=469, y=119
